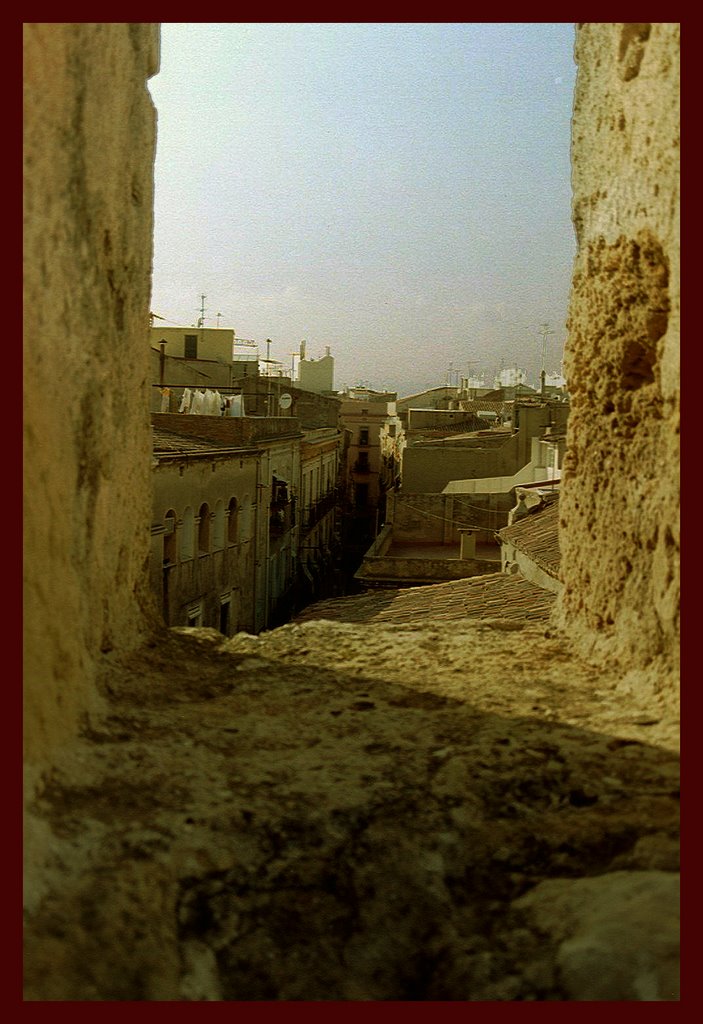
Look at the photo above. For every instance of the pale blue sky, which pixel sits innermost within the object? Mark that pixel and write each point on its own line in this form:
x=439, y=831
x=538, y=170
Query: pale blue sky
x=399, y=192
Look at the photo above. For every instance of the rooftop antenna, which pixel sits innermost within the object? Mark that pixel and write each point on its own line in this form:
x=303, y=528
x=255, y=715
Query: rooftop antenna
x=545, y=330
x=218, y=315
x=201, y=321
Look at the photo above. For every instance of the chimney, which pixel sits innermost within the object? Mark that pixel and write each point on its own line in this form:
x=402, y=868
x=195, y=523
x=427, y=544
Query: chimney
x=519, y=511
x=468, y=544
x=162, y=360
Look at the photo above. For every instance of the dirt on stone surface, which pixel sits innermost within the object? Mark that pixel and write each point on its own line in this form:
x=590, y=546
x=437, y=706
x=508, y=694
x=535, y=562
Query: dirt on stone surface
x=324, y=812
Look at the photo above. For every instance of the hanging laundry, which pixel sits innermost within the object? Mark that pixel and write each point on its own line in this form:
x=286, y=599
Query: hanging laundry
x=235, y=406
x=185, y=401
x=207, y=409
x=217, y=405
x=165, y=399
x=196, y=406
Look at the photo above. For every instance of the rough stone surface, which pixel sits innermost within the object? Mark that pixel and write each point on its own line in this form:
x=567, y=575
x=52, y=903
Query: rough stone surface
x=89, y=138
x=304, y=816
x=613, y=937
x=620, y=494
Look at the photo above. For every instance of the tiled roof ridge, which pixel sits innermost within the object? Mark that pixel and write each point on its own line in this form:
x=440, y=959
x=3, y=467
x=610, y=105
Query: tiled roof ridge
x=193, y=440
x=491, y=596
x=537, y=535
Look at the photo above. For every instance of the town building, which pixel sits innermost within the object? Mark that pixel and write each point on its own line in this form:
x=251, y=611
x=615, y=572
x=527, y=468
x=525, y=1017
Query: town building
x=231, y=531
x=320, y=549
x=374, y=457
x=189, y=357
x=206, y=531
x=429, y=465
x=261, y=494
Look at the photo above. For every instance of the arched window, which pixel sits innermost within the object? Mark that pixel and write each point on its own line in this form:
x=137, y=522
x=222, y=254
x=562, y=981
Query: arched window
x=170, y=544
x=188, y=536
x=204, y=529
x=233, y=523
x=218, y=526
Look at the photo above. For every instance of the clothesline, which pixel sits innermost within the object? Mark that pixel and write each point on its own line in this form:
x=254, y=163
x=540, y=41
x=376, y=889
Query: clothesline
x=207, y=402
x=453, y=522
x=220, y=387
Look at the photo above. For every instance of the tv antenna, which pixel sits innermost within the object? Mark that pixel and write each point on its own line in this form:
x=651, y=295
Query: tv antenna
x=545, y=330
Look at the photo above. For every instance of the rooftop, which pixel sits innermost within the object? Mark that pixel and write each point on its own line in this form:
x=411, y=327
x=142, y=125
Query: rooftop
x=169, y=442
x=537, y=535
x=494, y=596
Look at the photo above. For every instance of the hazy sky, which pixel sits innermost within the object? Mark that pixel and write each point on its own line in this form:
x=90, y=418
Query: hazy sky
x=399, y=192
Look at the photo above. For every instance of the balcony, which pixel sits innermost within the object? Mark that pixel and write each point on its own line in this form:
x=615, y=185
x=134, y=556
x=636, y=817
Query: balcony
x=281, y=517
x=319, y=509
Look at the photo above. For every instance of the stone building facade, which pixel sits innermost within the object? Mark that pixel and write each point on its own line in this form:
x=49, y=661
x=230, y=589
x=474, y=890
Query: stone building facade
x=372, y=466
x=205, y=532
x=270, y=447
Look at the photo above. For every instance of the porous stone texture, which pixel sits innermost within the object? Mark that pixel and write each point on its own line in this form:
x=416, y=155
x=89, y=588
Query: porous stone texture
x=89, y=143
x=620, y=494
x=305, y=816
x=612, y=937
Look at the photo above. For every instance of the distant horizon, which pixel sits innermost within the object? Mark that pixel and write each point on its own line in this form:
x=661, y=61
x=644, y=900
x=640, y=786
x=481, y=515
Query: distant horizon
x=489, y=381
x=398, y=192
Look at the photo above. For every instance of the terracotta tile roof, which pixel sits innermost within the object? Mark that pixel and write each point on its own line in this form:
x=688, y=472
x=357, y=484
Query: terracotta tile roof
x=537, y=535
x=167, y=441
x=494, y=596
x=484, y=405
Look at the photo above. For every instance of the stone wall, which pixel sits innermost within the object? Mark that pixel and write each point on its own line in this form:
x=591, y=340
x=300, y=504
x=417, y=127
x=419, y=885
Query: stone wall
x=89, y=142
x=430, y=467
x=437, y=518
x=620, y=500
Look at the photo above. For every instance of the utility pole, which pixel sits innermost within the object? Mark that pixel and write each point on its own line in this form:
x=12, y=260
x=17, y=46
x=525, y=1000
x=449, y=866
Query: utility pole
x=269, y=395
x=545, y=330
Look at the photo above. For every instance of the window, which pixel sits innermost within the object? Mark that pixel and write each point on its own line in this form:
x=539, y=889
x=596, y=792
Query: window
x=232, y=523
x=364, y=435
x=204, y=530
x=191, y=346
x=218, y=526
x=188, y=535
x=170, y=545
x=224, y=615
